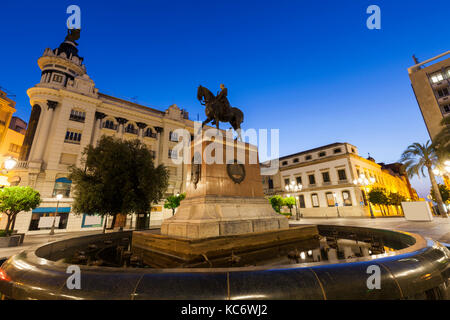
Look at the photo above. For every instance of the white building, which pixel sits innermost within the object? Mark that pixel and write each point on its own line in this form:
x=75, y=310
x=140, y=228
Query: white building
x=69, y=113
x=326, y=176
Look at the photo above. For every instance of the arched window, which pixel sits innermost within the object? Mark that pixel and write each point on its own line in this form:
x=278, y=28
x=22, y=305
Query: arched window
x=149, y=133
x=109, y=124
x=130, y=129
x=62, y=186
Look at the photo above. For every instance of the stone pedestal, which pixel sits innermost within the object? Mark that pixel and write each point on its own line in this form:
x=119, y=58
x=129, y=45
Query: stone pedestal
x=224, y=194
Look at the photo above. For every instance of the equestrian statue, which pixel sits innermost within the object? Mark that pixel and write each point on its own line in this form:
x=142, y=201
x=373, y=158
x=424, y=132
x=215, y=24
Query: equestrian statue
x=218, y=108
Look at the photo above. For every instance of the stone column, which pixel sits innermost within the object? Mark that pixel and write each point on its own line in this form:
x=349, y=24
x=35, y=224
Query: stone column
x=141, y=127
x=99, y=116
x=121, y=122
x=45, y=130
x=159, y=152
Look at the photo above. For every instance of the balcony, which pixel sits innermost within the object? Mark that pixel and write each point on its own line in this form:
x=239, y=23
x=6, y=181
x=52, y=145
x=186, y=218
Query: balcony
x=444, y=100
x=440, y=84
x=344, y=181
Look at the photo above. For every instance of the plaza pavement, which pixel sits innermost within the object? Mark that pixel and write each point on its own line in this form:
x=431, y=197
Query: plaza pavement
x=438, y=229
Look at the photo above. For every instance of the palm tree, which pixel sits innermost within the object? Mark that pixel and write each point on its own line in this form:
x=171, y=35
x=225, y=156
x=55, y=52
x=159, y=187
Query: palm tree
x=416, y=158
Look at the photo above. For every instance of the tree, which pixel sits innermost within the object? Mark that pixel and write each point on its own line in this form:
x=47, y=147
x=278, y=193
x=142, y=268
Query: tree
x=416, y=158
x=173, y=202
x=444, y=191
x=289, y=202
x=395, y=199
x=377, y=196
x=117, y=177
x=16, y=199
x=276, y=202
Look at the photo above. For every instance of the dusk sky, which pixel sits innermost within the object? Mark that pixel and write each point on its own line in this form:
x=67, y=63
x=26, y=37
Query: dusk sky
x=309, y=68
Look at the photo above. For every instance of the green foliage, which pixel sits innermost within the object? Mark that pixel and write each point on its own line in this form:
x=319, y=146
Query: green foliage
x=173, y=202
x=276, y=202
x=378, y=196
x=445, y=193
x=418, y=157
x=16, y=199
x=116, y=177
x=395, y=199
x=289, y=202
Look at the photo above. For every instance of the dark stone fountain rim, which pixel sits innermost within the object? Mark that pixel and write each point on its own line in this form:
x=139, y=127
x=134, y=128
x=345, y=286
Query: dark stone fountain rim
x=420, y=269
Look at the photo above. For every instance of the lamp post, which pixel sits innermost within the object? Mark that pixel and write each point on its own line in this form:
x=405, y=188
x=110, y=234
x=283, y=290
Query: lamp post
x=336, y=204
x=58, y=198
x=363, y=182
x=8, y=164
x=292, y=187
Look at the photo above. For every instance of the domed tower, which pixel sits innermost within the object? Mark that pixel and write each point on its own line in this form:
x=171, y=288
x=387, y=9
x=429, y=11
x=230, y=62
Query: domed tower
x=60, y=66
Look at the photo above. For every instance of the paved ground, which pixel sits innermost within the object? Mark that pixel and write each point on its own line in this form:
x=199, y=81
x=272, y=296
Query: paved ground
x=438, y=229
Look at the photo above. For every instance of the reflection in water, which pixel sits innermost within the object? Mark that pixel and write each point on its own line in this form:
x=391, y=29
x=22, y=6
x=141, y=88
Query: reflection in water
x=329, y=249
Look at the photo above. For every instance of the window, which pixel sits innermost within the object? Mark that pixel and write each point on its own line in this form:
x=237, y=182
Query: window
x=337, y=150
x=322, y=154
x=286, y=182
x=173, y=136
x=435, y=78
x=78, y=116
x=301, y=200
x=312, y=179
x=270, y=182
x=357, y=173
x=446, y=108
x=330, y=199
x=73, y=137
x=309, y=157
x=347, y=199
x=315, y=200
x=295, y=160
x=149, y=133
x=298, y=180
x=109, y=124
x=62, y=186
x=284, y=163
x=353, y=150
x=342, y=175
x=130, y=129
x=172, y=154
x=57, y=78
x=442, y=92
x=15, y=148
x=326, y=177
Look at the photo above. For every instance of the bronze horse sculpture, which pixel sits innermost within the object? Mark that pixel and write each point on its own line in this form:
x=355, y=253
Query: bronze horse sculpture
x=218, y=110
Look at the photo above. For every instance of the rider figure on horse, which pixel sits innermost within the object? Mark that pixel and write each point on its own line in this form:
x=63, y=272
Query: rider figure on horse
x=222, y=97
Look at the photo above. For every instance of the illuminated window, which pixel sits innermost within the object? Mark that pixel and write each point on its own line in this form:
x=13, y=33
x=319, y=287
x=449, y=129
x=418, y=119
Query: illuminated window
x=347, y=198
x=330, y=199
x=315, y=200
x=57, y=78
x=62, y=186
x=435, y=78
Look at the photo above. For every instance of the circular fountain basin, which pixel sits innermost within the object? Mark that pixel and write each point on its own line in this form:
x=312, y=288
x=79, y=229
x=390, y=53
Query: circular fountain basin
x=416, y=268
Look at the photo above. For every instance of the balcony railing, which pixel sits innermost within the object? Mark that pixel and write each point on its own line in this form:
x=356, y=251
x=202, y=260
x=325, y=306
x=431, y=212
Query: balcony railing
x=131, y=130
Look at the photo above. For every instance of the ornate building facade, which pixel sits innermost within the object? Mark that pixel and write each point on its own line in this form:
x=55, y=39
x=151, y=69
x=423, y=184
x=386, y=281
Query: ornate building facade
x=68, y=114
x=326, y=176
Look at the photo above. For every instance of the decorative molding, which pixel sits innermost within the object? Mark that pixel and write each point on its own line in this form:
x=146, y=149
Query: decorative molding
x=121, y=120
x=99, y=115
x=141, y=125
x=159, y=129
x=52, y=104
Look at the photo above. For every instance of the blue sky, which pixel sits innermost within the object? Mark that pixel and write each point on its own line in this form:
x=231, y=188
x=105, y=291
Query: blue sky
x=310, y=68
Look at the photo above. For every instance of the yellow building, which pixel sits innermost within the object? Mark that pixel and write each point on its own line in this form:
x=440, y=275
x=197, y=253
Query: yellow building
x=12, y=132
x=322, y=182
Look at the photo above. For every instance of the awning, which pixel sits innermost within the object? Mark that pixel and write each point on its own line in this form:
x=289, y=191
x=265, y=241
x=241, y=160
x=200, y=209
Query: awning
x=51, y=210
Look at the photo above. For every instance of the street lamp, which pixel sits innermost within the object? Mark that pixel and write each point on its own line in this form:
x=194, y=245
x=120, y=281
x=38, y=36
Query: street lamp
x=292, y=187
x=58, y=198
x=363, y=182
x=336, y=204
x=10, y=163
